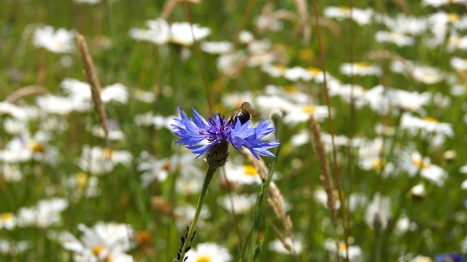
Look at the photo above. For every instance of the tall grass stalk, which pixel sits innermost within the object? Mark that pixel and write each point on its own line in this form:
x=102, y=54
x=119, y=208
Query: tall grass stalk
x=334, y=153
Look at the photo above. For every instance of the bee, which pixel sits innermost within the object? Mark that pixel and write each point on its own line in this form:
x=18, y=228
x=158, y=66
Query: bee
x=244, y=113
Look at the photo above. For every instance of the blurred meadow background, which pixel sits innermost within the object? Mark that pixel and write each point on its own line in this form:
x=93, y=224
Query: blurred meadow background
x=395, y=146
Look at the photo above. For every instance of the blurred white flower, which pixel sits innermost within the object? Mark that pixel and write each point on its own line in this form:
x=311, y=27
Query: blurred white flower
x=83, y=185
x=428, y=75
x=60, y=41
x=413, y=163
x=438, y=3
x=184, y=216
x=362, y=69
x=241, y=203
x=378, y=212
x=427, y=127
x=102, y=242
x=13, y=110
x=301, y=113
x=99, y=161
x=208, y=252
x=241, y=174
x=360, y=16
x=144, y=96
x=80, y=93
x=403, y=225
x=7, y=221
x=245, y=37
x=459, y=64
x=294, y=244
x=13, y=248
x=216, y=47
x=355, y=252
x=160, y=32
x=55, y=104
x=181, y=33
x=11, y=172
x=92, y=2
x=406, y=25
x=418, y=191
x=396, y=38
x=44, y=214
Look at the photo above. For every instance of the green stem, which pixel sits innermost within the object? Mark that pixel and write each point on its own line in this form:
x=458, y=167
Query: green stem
x=209, y=175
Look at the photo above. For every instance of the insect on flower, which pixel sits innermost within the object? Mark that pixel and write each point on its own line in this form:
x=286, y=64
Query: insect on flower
x=219, y=132
x=244, y=113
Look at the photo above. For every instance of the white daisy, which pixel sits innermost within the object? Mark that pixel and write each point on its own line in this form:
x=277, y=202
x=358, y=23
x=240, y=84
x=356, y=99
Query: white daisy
x=378, y=212
x=102, y=242
x=99, y=161
x=427, y=74
x=355, y=252
x=81, y=185
x=427, y=127
x=241, y=203
x=60, y=41
x=181, y=33
x=459, y=64
x=205, y=252
x=242, y=174
x=157, y=33
x=301, y=113
x=44, y=214
x=406, y=25
x=413, y=163
x=13, y=248
x=360, y=16
x=362, y=69
x=216, y=47
x=294, y=244
x=55, y=104
x=8, y=221
x=396, y=38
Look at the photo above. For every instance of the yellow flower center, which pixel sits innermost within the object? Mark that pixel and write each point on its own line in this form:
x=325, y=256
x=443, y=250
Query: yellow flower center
x=97, y=250
x=430, y=120
x=250, y=170
x=378, y=163
x=280, y=68
x=421, y=164
x=309, y=109
x=453, y=17
x=107, y=153
x=203, y=259
x=424, y=259
x=37, y=147
x=306, y=54
x=362, y=65
x=290, y=89
x=342, y=247
x=81, y=179
x=345, y=10
x=7, y=216
x=313, y=70
x=166, y=166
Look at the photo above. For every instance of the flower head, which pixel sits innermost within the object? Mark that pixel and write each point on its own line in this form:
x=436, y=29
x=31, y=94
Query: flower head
x=218, y=132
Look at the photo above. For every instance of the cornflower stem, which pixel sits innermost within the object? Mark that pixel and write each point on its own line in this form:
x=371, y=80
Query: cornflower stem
x=207, y=180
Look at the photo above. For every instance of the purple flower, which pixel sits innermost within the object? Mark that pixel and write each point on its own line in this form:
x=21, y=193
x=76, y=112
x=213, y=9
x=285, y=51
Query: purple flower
x=454, y=257
x=217, y=130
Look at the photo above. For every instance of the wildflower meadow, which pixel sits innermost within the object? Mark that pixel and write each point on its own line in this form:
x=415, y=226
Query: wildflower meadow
x=216, y=131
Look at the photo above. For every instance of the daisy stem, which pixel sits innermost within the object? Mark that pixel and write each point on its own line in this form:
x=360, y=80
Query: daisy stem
x=207, y=180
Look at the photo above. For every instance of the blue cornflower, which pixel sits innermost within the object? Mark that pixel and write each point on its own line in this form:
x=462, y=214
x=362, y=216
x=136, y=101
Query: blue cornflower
x=454, y=257
x=218, y=131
